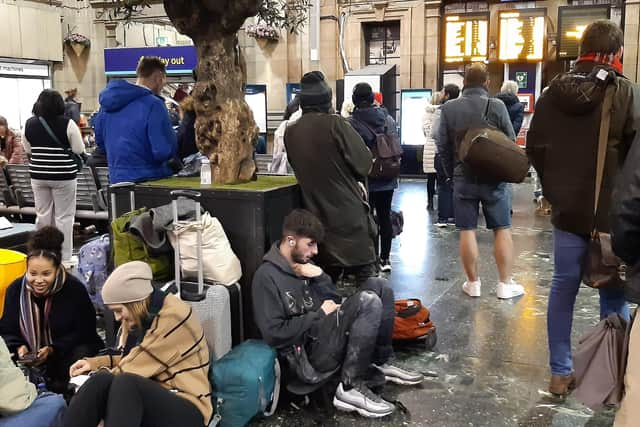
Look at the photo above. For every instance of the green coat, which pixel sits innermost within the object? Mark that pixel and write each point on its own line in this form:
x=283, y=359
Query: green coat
x=329, y=158
x=16, y=393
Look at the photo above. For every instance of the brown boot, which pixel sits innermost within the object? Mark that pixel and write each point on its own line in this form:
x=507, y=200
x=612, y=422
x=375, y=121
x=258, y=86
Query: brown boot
x=562, y=385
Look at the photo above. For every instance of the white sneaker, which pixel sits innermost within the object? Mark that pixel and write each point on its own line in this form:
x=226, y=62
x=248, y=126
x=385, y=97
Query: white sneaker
x=398, y=375
x=472, y=288
x=509, y=290
x=362, y=400
x=441, y=224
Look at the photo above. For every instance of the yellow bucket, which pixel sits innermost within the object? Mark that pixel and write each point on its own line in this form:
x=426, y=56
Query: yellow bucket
x=12, y=265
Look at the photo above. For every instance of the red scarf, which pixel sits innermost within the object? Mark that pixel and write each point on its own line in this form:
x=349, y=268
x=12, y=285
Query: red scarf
x=609, y=59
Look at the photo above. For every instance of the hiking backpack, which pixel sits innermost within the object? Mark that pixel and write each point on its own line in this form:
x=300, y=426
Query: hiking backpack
x=387, y=154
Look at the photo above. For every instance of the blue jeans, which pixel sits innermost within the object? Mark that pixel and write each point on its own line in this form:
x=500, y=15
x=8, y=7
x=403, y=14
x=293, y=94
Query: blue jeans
x=46, y=411
x=569, y=255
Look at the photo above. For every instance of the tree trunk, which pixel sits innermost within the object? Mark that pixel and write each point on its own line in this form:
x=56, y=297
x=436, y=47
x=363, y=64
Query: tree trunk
x=225, y=129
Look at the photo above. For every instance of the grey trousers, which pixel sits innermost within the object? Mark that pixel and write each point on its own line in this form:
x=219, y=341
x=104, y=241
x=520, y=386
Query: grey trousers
x=56, y=206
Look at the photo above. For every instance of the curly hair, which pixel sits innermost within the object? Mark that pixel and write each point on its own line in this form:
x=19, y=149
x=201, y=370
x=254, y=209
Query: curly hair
x=47, y=243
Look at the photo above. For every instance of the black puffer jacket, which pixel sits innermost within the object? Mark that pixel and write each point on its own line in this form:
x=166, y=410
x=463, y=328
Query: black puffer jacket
x=625, y=210
x=562, y=144
x=515, y=109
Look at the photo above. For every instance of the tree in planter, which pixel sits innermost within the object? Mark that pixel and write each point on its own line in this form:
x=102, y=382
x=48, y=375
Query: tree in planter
x=225, y=128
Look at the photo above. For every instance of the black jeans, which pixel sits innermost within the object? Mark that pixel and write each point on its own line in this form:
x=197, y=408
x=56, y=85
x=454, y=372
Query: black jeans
x=129, y=400
x=431, y=187
x=357, y=334
x=445, y=193
x=381, y=202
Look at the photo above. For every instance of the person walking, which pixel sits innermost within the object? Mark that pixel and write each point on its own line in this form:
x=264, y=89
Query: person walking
x=562, y=144
x=50, y=137
x=369, y=121
x=475, y=106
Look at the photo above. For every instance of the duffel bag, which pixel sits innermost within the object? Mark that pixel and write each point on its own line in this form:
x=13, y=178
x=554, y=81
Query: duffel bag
x=245, y=382
x=491, y=155
x=412, y=320
x=128, y=247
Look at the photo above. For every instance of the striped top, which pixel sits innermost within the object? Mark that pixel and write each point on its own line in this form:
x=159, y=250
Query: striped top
x=49, y=161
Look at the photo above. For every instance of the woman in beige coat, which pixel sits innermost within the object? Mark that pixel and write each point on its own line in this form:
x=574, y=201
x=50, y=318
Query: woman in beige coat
x=429, y=153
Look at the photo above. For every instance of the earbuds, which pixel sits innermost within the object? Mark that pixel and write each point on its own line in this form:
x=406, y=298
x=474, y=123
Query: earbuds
x=291, y=243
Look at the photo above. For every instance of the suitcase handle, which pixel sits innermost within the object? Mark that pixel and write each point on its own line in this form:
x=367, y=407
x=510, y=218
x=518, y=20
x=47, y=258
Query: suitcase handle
x=189, y=194
x=122, y=186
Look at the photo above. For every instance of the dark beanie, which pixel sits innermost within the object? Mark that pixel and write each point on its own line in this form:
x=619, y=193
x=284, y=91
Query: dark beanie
x=314, y=90
x=362, y=94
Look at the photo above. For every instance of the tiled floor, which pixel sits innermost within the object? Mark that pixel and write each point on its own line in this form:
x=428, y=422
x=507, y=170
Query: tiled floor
x=489, y=367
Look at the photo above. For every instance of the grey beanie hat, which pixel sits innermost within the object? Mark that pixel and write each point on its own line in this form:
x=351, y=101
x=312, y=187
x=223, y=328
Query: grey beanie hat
x=130, y=282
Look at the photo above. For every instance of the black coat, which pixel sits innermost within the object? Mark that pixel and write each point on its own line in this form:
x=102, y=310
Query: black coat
x=562, y=144
x=515, y=109
x=625, y=208
x=72, y=318
x=187, y=135
x=287, y=306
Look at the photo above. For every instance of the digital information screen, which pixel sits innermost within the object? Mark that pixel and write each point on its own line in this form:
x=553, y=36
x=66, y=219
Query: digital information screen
x=466, y=38
x=414, y=102
x=522, y=35
x=572, y=21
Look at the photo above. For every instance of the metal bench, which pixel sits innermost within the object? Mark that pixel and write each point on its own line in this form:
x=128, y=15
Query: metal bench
x=101, y=175
x=87, y=205
x=20, y=185
x=8, y=204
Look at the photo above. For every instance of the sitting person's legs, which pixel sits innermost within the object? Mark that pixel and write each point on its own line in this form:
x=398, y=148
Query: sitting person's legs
x=129, y=401
x=47, y=410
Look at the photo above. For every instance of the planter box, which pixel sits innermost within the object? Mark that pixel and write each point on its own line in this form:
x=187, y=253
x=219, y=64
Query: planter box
x=251, y=214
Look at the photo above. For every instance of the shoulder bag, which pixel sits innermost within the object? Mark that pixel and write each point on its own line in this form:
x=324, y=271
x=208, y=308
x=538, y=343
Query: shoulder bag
x=77, y=158
x=602, y=268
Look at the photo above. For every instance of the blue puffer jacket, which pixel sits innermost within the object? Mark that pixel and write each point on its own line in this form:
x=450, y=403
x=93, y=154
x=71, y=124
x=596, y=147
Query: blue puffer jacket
x=378, y=120
x=133, y=128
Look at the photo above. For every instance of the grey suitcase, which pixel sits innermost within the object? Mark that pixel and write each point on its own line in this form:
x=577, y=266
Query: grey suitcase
x=211, y=302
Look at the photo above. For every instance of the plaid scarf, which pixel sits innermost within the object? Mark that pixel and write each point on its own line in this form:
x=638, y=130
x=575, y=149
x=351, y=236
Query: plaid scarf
x=609, y=59
x=34, y=325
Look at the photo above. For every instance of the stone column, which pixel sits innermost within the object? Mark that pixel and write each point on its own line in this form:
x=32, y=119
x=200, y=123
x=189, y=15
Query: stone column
x=632, y=40
x=432, y=44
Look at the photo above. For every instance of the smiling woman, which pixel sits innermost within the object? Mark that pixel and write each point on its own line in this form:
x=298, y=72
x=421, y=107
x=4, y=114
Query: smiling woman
x=49, y=321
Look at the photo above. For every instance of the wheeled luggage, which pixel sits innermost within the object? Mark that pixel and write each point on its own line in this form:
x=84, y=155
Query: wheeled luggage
x=213, y=303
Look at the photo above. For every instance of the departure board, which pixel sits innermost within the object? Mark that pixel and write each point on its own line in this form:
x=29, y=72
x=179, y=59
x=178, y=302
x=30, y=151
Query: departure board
x=466, y=38
x=572, y=21
x=522, y=35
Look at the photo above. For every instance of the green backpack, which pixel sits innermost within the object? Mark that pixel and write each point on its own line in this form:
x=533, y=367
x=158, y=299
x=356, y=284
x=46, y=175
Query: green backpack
x=128, y=247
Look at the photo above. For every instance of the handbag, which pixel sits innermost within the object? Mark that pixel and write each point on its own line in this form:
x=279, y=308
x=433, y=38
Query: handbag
x=77, y=158
x=602, y=268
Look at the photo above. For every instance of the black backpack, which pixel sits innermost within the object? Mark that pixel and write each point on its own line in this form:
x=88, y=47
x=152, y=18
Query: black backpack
x=387, y=154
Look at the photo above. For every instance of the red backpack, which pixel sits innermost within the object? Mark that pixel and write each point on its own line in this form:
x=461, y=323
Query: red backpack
x=412, y=322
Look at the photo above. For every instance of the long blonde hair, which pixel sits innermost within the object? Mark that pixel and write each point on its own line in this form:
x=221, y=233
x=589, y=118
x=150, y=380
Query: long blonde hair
x=139, y=310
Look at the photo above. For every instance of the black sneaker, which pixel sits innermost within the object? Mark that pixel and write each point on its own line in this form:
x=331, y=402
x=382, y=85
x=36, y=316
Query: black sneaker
x=385, y=266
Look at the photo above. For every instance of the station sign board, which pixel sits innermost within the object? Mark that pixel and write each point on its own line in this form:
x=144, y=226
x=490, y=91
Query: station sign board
x=522, y=35
x=466, y=38
x=572, y=21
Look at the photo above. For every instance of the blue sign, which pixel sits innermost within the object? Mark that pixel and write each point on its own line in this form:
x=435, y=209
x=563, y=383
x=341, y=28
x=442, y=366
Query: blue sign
x=180, y=60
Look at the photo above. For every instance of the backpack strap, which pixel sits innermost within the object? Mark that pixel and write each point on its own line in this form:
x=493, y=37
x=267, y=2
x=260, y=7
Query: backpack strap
x=276, y=390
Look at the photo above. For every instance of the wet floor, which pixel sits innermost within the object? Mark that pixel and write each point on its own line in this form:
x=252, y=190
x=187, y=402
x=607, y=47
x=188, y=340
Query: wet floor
x=489, y=367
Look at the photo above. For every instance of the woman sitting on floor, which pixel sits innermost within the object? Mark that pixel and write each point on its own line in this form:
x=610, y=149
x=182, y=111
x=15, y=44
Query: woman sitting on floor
x=49, y=321
x=163, y=380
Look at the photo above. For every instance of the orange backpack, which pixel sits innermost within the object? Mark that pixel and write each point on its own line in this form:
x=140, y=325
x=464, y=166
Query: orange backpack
x=412, y=320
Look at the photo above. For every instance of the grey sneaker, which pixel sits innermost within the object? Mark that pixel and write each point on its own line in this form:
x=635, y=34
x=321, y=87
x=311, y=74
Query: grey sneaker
x=400, y=376
x=362, y=400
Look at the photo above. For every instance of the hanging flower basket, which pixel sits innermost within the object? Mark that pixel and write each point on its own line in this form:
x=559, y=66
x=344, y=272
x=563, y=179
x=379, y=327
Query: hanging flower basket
x=78, y=42
x=263, y=32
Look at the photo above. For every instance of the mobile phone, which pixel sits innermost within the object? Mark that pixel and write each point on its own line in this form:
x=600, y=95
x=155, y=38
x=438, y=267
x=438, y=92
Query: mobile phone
x=28, y=358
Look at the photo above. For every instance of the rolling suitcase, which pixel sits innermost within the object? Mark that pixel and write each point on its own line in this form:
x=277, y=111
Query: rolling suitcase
x=218, y=307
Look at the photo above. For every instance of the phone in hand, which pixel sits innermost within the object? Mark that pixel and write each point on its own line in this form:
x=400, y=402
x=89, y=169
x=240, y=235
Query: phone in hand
x=28, y=359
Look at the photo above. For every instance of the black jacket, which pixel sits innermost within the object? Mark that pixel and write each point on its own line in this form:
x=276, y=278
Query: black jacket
x=187, y=135
x=72, y=318
x=562, y=144
x=285, y=305
x=515, y=109
x=625, y=208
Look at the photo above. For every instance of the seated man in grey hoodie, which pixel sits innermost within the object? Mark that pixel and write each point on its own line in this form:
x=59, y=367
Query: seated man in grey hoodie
x=20, y=404
x=298, y=310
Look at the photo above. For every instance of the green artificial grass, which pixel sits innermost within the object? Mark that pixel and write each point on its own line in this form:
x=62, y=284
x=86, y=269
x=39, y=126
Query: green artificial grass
x=264, y=183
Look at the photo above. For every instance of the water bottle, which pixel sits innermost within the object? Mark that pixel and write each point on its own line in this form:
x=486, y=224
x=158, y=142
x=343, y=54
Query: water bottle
x=205, y=172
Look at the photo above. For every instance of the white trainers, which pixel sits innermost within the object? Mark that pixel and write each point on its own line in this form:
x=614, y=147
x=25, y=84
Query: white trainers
x=472, y=288
x=509, y=290
x=397, y=375
x=362, y=400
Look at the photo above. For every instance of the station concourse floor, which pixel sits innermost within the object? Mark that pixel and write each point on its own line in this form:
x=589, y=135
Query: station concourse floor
x=490, y=365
